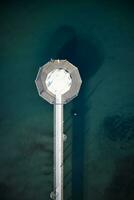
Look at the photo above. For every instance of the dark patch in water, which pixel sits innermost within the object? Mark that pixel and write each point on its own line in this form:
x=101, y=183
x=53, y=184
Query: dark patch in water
x=122, y=185
x=119, y=128
x=5, y=191
x=47, y=172
x=36, y=147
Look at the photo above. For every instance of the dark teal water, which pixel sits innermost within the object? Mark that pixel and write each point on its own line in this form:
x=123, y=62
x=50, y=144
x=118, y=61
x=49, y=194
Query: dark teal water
x=97, y=37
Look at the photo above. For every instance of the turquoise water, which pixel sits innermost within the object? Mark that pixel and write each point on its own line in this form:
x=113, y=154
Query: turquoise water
x=98, y=38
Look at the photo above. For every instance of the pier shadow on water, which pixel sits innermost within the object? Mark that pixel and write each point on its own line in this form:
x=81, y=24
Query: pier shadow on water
x=86, y=54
